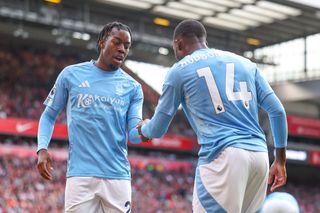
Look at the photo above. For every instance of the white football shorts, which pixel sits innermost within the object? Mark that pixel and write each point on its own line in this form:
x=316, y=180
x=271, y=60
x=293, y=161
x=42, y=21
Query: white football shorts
x=97, y=195
x=236, y=181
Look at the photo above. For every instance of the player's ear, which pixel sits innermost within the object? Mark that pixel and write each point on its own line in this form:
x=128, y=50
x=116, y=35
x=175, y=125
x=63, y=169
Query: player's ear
x=101, y=44
x=180, y=45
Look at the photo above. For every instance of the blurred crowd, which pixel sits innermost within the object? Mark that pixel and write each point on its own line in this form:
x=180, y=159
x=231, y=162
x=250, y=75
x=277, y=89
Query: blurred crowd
x=22, y=189
x=154, y=189
x=25, y=79
x=307, y=195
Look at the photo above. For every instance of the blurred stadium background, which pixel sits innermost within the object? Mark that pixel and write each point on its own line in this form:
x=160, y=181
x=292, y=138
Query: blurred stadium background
x=39, y=38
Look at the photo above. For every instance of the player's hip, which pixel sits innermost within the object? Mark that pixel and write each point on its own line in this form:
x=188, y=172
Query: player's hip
x=93, y=194
x=235, y=181
x=212, y=150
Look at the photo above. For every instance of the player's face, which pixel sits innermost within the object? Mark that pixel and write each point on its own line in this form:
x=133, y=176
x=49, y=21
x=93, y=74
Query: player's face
x=115, y=49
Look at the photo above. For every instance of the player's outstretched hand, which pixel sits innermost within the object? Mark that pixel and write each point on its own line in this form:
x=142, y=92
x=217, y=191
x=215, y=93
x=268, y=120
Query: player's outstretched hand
x=277, y=175
x=139, y=125
x=44, y=164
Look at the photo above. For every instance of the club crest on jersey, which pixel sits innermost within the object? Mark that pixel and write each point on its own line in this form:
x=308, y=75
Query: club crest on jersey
x=119, y=89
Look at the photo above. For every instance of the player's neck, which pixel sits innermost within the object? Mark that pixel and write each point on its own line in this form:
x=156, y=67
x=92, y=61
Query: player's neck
x=195, y=46
x=104, y=67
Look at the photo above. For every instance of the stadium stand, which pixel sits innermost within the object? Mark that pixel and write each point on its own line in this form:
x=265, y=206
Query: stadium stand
x=23, y=190
x=31, y=73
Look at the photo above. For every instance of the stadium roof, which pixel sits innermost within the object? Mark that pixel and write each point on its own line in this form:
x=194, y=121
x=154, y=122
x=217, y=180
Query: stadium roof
x=236, y=25
x=232, y=23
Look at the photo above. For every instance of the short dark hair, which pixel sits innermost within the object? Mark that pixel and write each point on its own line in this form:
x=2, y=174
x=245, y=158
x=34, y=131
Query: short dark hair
x=190, y=28
x=104, y=33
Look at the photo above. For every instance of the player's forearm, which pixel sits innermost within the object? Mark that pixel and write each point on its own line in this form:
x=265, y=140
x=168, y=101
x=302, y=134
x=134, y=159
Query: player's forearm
x=279, y=130
x=133, y=131
x=157, y=126
x=46, y=125
x=278, y=120
x=281, y=155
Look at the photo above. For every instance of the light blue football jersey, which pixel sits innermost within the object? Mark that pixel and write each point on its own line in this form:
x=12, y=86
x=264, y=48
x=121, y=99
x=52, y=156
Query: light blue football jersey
x=100, y=105
x=220, y=93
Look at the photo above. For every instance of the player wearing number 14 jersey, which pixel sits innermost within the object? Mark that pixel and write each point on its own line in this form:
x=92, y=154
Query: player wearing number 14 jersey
x=220, y=93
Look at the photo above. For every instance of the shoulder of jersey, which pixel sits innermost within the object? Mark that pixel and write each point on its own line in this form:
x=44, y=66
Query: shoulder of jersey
x=78, y=65
x=129, y=77
x=71, y=68
x=75, y=67
x=234, y=55
x=208, y=53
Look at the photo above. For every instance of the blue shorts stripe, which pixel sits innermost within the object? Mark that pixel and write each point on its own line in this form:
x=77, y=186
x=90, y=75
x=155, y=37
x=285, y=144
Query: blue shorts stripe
x=206, y=200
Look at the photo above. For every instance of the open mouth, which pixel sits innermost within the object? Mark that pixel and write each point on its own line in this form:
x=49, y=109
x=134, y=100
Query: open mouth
x=119, y=59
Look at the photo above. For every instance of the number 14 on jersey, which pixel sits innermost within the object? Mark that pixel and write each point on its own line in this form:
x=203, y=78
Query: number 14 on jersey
x=243, y=95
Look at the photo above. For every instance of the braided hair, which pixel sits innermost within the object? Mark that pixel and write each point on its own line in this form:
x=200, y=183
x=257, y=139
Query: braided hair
x=108, y=28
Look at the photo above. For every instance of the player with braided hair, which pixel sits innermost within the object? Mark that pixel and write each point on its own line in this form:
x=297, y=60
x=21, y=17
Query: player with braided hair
x=104, y=105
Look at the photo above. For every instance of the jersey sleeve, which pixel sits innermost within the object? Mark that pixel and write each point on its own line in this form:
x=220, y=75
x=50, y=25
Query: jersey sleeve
x=278, y=120
x=46, y=125
x=262, y=87
x=58, y=95
x=167, y=106
x=135, y=114
x=268, y=101
x=157, y=126
x=171, y=96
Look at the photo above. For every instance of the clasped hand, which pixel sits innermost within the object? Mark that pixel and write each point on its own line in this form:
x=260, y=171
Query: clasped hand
x=139, y=126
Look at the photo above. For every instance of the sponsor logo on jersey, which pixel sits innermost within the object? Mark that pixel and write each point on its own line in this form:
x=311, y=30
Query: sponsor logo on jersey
x=84, y=100
x=88, y=100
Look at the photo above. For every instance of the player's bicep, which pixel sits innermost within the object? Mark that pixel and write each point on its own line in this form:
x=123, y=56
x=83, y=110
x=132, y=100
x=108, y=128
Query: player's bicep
x=272, y=105
x=169, y=100
x=263, y=88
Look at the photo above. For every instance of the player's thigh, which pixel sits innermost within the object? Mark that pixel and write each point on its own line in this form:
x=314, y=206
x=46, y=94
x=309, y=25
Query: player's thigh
x=115, y=195
x=196, y=204
x=80, y=195
x=221, y=184
x=258, y=181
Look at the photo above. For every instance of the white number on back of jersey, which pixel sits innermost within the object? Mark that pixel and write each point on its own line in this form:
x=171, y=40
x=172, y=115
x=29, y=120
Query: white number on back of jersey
x=213, y=89
x=244, y=95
